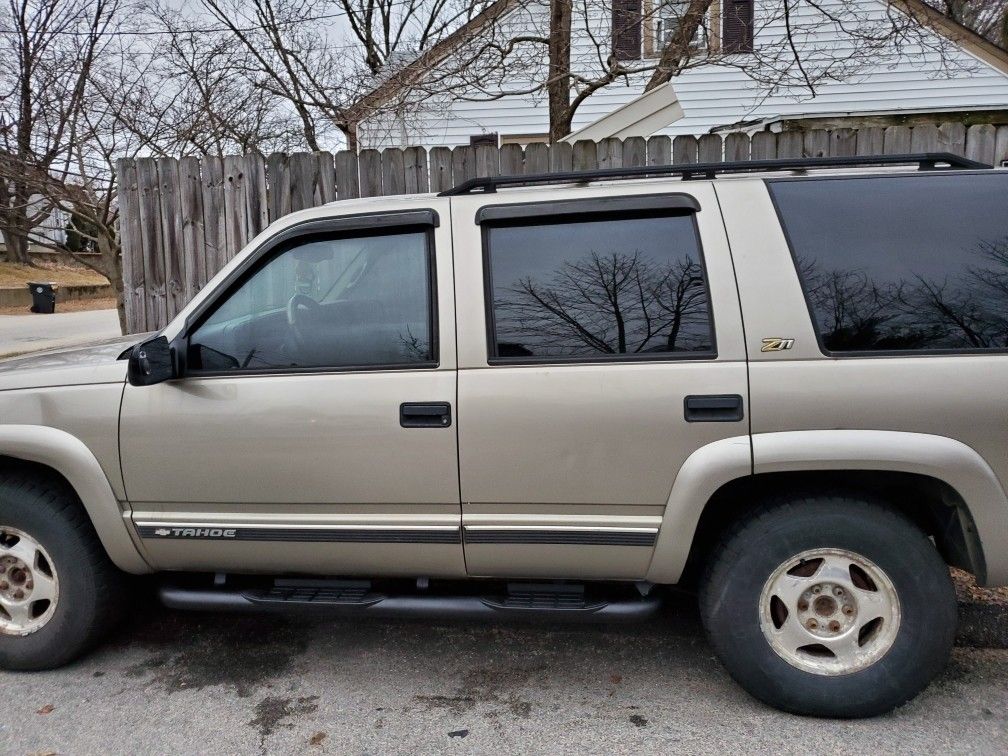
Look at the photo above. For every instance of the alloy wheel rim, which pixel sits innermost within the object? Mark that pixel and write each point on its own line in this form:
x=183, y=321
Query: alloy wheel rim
x=829, y=612
x=29, y=586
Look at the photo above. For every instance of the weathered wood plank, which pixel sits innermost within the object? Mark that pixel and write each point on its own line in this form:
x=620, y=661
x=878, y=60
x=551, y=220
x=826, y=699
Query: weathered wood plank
x=512, y=160
x=347, y=180
x=256, y=201
x=193, y=250
x=304, y=170
x=537, y=158
x=924, y=138
x=487, y=160
x=791, y=144
x=843, y=142
x=980, y=143
x=1001, y=146
x=763, y=146
x=609, y=153
x=897, y=140
x=659, y=150
x=441, y=169
x=561, y=157
x=816, y=143
x=463, y=164
x=953, y=138
x=584, y=155
x=132, y=247
x=214, y=231
x=871, y=140
x=325, y=190
x=278, y=185
x=171, y=235
x=684, y=149
x=736, y=147
x=415, y=166
x=370, y=166
x=710, y=148
x=634, y=152
x=235, y=230
x=393, y=172
x=155, y=305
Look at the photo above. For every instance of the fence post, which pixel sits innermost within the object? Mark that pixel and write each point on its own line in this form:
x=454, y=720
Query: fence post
x=463, y=163
x=763, y=146
x=561, y=157
x=684, y=149
x=659, y=150
x=441, y=169
x=537, y=156
x=980, y=143
x=634, y=152
x=347, y=179
x=155, y=306
x=710, y=148
x=370, y=173
x=584, y=155
x=736, y=147
x=415, y=165
x=235, y=230
x=214, y=230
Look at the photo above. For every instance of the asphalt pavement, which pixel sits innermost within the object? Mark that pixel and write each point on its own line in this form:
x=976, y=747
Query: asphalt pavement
x=29, y=333
x=191, y=683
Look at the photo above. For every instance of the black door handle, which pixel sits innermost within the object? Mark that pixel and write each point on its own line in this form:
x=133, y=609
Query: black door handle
x=713, y=408
x=425, y=414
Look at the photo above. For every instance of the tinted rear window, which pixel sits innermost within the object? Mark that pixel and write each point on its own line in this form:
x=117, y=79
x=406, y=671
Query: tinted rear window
x=902, y=263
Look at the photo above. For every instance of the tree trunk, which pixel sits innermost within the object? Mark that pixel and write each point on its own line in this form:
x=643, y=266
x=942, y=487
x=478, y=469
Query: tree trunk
x=558, y=85
x=677, y=52
x=17, y=246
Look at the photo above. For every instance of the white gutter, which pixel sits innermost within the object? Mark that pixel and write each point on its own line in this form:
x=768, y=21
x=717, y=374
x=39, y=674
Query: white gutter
x=642, y=117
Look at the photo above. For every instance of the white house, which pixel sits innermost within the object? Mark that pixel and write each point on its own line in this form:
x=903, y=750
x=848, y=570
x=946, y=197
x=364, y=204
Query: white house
x=842, y=64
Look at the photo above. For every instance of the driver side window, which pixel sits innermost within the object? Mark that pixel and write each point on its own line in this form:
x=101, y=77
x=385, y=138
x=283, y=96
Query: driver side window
x=324, y=301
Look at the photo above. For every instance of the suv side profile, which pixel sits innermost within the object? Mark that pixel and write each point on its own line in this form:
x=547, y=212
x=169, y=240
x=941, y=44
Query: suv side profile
x=783, y=387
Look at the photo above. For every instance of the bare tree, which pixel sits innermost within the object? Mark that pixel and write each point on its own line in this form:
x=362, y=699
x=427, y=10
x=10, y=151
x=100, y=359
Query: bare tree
x=47, y=49
x=988, y=18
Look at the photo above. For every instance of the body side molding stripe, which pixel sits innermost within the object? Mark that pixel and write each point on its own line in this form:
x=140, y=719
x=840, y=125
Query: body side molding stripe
x=217, y=532
x=584, y=537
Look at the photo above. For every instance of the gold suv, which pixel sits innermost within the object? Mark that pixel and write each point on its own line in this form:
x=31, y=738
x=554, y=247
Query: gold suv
x=783, y=385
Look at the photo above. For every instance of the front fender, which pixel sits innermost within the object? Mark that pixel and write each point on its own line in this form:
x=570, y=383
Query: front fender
x=70, y=457
x=940, y=457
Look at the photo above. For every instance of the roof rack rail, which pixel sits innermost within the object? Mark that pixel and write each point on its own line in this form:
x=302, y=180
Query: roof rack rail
x=926, y=161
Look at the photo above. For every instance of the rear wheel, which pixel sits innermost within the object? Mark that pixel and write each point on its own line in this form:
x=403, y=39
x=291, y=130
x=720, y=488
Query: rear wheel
x=830, y=606
x=58, y=589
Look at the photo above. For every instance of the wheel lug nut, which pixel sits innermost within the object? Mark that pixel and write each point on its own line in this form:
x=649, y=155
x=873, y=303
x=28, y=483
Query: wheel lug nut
x=848, y=609
x=812, y=624
x=802, y=605
x=4, y=585
x=19, y=594
x=816, y=589
x=838, y=591
x=834, y=626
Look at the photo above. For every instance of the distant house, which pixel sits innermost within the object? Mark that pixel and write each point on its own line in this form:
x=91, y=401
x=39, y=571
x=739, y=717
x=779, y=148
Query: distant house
x=946, y=72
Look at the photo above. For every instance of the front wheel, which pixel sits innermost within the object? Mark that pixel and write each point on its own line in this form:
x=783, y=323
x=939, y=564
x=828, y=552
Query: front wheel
x=58, y=590
x=830, y=606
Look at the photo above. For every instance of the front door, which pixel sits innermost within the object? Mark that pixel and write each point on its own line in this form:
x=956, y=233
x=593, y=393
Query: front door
x=600, y=344
x=314, y=428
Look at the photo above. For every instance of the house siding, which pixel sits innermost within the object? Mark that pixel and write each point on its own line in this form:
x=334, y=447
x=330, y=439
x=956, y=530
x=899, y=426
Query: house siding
x=913, y=79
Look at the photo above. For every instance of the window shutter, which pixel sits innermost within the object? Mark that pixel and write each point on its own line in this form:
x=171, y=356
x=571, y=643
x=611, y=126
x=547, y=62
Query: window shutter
x=626, y=29
x=737, y=26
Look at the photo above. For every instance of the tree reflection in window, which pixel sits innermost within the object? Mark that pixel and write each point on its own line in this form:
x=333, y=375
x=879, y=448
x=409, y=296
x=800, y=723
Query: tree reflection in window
x=646, y=295
x=902, y=263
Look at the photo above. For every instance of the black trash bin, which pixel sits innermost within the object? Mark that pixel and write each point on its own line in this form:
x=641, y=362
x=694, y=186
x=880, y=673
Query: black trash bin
x=43, y=297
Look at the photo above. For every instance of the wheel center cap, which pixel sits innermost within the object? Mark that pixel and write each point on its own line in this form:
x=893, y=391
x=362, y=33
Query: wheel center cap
x=825, y=606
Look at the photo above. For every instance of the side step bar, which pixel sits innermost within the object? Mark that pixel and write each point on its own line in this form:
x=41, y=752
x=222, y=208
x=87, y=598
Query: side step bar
x=355, y=599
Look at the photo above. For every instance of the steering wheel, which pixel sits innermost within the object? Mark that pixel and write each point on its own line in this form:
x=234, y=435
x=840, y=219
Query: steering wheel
x=300, y=308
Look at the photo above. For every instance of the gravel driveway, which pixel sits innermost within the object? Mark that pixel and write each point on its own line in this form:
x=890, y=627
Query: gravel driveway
x=189, y=683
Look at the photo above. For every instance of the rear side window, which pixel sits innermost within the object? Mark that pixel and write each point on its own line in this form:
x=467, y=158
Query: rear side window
x=597, y=288
x=901, y=263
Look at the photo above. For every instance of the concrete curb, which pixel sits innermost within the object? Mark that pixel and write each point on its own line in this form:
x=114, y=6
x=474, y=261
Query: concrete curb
x=21, y=297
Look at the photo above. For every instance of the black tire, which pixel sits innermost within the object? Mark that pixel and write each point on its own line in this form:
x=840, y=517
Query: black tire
x=754, y=549
x=91, y=588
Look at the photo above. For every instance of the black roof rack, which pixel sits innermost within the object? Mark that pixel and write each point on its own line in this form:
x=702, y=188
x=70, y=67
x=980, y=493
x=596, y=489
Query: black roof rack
x=925, y=161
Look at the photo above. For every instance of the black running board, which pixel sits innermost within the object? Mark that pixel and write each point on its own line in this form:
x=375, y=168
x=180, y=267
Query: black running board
x=341, y=603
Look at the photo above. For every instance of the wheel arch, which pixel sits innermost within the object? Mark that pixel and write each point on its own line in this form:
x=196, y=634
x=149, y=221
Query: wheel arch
x=943, y=485
x=54, y=452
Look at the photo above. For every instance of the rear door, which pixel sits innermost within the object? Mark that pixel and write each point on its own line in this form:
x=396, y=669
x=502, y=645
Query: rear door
x=600, y=344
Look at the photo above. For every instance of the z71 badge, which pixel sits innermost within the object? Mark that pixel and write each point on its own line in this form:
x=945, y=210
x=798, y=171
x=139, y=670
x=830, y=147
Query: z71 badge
x=776, y=345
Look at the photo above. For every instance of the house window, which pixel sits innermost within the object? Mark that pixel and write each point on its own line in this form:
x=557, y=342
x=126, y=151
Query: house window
x=478, y=139
x=626, y=29
x=737, y=25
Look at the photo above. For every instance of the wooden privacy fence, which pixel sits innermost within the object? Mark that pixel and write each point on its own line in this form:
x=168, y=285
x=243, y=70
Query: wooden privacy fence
x=182, y=220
